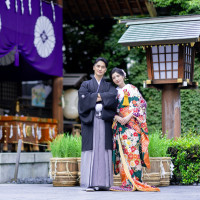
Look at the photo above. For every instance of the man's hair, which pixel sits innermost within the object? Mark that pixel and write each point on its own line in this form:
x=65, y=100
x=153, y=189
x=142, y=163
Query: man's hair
x=101, y=59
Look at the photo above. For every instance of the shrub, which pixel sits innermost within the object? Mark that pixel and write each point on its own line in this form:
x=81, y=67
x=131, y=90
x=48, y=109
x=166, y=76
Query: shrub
x=185, y=153
x=66, y=145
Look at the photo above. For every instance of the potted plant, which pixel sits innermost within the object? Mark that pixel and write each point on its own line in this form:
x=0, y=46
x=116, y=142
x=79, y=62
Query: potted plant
x=159, y=173
x=65, y=149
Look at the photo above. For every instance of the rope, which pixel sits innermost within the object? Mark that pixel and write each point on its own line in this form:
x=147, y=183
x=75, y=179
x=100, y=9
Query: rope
x=44, y=145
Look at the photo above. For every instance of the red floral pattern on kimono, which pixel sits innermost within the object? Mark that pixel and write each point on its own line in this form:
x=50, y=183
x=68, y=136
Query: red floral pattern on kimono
x=133, y=136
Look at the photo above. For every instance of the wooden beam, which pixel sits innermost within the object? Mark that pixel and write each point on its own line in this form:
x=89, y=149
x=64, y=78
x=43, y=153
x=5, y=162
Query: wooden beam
x=97, y=5
x=139, y=6
x=181, y=61
x=68, y=11
x=60, y=3
x=108, y=8
x=151, y=9
x=78, y=9
x=129, y=7
x=118, y=7
x=57, y=107
x=87, y=8
x=149, y=63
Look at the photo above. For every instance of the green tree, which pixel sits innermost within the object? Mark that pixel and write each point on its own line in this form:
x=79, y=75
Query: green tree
x=179, y=7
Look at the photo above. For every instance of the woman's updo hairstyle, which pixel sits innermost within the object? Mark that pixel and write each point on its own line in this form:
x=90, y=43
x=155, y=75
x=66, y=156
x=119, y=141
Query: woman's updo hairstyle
x=101, y=59
x=119, y=71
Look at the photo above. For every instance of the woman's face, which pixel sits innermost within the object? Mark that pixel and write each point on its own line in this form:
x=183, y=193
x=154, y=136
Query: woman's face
x=118, y=79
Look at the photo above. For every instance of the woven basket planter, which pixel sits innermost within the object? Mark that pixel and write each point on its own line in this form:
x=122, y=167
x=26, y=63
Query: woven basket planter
x=64, y=171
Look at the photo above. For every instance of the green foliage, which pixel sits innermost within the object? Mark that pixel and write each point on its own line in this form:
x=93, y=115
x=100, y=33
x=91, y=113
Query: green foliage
x=158, y=145
x=190, y=106
x=66, y=146
x=185, y=153
x=82, y=41
x=179, y=7
x=115, y=53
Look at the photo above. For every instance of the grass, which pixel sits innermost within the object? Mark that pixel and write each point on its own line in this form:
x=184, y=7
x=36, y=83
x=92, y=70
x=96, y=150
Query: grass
x=65, y=145
x=158, y=145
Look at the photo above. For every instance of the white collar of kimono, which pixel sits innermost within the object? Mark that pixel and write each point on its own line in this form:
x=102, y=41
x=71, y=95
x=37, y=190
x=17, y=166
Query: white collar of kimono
x=98, y=81
x=121, y=92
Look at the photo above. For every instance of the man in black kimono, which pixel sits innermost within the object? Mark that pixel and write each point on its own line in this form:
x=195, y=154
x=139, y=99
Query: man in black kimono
x=97, y=107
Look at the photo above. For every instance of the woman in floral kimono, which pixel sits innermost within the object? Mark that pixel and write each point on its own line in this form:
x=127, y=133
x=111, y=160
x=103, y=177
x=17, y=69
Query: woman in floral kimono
x=130, y=139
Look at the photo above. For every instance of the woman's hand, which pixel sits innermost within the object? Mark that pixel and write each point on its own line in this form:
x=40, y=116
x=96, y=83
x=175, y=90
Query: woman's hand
x=118, y=119
x=126, y=119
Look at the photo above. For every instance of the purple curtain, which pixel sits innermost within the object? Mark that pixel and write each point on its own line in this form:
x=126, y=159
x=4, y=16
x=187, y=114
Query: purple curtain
x=37, y=38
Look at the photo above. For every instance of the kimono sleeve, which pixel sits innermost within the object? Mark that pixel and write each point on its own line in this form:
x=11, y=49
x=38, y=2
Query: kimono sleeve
x=86, y=103
x=109, y=98
x=140, y=111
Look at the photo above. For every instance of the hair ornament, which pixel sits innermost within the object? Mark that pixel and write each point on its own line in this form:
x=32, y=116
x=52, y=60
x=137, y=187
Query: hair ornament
x=124, y=73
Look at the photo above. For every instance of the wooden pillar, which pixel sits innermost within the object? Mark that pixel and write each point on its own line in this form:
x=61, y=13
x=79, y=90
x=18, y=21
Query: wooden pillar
x=57, y=105
x=171, y=111
x=60, y=3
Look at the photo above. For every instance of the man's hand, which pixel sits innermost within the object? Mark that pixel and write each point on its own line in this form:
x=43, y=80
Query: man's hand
x=99, y=98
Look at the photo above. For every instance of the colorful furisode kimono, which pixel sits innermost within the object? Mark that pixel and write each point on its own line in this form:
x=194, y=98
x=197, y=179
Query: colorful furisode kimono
x=133, y=140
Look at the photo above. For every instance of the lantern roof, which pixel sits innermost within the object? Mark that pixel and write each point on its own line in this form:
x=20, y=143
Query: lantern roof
x=161, y=30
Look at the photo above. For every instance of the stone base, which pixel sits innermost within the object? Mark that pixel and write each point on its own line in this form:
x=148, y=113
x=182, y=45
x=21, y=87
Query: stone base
x=31, y=165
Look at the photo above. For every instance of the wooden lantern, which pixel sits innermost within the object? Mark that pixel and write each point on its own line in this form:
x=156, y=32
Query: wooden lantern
x=171, y=64
x=170, y=44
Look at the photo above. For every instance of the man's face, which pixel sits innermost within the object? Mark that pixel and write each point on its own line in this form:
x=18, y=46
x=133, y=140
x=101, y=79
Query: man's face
x=99, y=68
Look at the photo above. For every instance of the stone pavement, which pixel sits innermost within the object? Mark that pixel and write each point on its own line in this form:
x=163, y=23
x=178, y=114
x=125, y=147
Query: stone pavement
x=48, y=192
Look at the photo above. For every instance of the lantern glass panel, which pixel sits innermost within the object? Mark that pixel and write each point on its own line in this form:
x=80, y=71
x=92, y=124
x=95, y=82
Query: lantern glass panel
x=161, y=57
x=175, y=57
x=175, y=74
x=155, y=58
x=156, y=75
x=168, y=57
x=155, y=66
x=175, y=48
x=162, y=75
x=154, y=49
x=169, y=74
x=175, y=65
x=162, y=66
x=161, y=49
x=168, y=49
x=169, y=66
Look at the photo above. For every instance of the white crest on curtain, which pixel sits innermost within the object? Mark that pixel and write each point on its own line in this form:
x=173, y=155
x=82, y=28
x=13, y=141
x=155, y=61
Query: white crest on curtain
x=22, y=7
x=1, y=132
x=53, y=8
x=0, y=22
x=16, y=6
x=39, y=133
x=18, y=130
x=11, y=131
x=7, y=4
x=41, y=11
x=44, y=40
x=33, y=131
x=29, y=7
x=24, y=130
x=50, y=132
